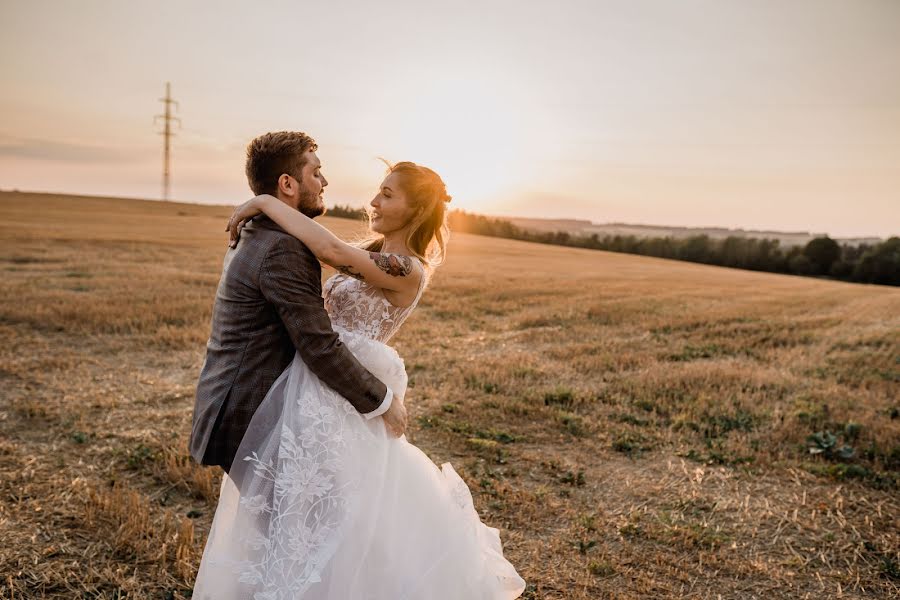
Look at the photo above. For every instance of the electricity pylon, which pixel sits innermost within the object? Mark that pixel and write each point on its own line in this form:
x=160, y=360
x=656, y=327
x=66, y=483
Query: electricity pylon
x=167, y=135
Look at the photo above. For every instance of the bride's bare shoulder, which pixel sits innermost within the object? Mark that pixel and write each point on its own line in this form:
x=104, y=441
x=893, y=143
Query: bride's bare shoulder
x=411, y=270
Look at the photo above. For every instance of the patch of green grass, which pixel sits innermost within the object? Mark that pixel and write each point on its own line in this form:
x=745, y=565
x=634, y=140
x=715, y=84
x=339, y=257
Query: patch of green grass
x=32, y=260
x=645, y=405
x=889, y=568
x=690, y=352
x=473, y=382
x=497, y=435
x=560, y=396
x=139, y=456
x=464, y=428
x=882, y=480
x=632, y=527
x=447, y=315
x=630, y=419
x=719, y=425
x=695, y=535
x=540, y=322
x=489, y=449
x=528, y=373
x=573, y=424
x=427, y=422
x=601, y=569
x=630, y=443
x=604, y=315
x=588, y=521
x=574, y=479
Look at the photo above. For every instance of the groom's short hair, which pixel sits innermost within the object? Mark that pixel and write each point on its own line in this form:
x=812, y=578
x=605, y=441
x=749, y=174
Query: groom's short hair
x=274, y=153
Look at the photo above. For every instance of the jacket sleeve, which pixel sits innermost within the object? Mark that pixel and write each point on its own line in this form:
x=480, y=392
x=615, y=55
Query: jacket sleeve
x=290, y=279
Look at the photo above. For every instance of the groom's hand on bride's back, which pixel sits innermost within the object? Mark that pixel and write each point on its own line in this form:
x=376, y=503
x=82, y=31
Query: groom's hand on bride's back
x=395, y=417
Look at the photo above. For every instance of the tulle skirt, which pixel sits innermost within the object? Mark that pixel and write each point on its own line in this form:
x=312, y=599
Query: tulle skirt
x=324, y=504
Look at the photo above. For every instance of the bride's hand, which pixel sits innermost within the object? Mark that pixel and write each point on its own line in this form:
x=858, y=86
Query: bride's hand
x=239, y=218
x=395, y=419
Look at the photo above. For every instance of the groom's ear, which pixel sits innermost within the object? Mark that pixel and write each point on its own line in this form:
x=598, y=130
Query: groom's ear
x=286, y=184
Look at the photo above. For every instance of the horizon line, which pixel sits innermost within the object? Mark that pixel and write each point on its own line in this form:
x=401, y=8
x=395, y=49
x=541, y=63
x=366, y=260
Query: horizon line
x=497, y=217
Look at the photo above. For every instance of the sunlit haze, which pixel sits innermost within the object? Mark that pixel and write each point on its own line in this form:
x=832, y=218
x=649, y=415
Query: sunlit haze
x=763, y=114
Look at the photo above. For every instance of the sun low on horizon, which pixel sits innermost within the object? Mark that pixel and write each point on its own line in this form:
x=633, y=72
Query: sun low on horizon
x=479, y=132
x=762, y=116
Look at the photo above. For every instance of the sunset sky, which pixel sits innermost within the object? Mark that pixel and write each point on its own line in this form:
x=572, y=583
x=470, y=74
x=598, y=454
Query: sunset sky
x=774, y=114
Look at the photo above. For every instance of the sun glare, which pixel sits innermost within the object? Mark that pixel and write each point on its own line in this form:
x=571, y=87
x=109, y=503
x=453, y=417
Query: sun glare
x=475, y=134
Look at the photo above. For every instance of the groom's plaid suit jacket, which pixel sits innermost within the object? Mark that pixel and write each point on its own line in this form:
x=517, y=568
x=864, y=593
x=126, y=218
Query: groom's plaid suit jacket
x=268, y=304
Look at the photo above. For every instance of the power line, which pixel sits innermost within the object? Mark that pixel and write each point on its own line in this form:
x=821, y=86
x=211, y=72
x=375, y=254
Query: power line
x=167, y=135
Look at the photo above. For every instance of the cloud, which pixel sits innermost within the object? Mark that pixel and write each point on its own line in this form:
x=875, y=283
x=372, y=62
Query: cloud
x=51, y=150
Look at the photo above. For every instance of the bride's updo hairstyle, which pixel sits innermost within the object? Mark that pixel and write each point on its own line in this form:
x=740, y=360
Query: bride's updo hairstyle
x=426, y=194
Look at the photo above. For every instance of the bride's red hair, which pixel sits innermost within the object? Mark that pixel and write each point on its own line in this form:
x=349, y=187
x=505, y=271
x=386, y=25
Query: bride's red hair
x=426, y=194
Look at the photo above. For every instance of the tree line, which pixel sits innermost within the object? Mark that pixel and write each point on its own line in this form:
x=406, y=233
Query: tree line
x=822, y=256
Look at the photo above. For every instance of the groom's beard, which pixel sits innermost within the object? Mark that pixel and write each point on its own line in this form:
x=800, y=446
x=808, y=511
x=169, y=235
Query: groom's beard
x=309, y=205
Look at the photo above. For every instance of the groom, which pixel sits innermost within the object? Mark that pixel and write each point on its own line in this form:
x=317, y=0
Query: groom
x=269, y=305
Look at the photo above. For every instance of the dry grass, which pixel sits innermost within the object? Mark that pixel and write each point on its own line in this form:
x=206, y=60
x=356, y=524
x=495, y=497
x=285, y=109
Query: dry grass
x=636, y=427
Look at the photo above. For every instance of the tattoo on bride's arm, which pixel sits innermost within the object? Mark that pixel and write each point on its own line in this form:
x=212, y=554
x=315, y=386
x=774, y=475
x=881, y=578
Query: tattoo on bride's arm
x=348, y=270
x=393, y=264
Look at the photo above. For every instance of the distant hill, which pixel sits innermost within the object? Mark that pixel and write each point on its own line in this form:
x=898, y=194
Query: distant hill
x=585, y=227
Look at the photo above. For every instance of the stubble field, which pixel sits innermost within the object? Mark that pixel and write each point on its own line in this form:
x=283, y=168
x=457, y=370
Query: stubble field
x=635, y=427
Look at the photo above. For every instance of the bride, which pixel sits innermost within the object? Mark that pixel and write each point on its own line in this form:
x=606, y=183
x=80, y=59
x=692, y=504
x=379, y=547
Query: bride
x=322, y=503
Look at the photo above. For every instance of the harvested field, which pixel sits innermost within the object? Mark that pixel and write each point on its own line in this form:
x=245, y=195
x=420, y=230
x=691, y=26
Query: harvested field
x=635, y=427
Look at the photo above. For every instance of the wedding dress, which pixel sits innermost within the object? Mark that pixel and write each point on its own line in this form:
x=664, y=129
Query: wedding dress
x=324, y=504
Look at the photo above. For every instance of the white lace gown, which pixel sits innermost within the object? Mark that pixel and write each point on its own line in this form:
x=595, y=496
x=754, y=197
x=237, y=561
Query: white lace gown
x=324, y=504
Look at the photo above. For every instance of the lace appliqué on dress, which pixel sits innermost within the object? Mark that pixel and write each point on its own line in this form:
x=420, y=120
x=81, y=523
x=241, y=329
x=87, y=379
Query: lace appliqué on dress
x=358, y=306
x=305, y=505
